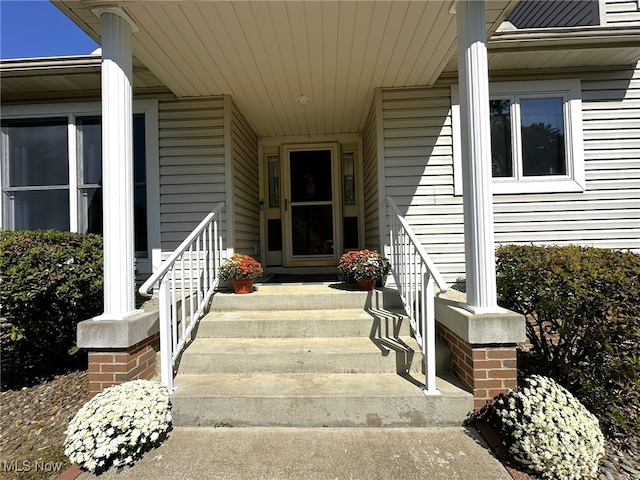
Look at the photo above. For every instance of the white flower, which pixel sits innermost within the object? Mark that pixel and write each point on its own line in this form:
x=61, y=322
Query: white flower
x=551, y=432
x=118, y=425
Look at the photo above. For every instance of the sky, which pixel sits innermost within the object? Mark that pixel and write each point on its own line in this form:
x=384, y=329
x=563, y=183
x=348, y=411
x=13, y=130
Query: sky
x=36, y=28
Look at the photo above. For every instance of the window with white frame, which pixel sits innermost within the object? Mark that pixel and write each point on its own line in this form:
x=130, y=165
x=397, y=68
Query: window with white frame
x=536, y=137
x=52, y=169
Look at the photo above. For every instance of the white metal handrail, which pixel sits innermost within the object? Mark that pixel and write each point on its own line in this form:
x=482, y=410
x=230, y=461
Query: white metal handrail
x=187, y=281
x=415, y=275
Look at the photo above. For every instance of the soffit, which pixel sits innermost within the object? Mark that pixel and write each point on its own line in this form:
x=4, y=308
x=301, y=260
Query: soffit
x=266, y=54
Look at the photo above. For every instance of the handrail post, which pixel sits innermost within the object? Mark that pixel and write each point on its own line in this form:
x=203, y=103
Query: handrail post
x=188, y=275
x=415, y=275
x=166, y=362
x=430, y=335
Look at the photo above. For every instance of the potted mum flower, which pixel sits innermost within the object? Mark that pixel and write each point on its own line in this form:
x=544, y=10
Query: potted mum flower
x=363, y=267
x=242, y=270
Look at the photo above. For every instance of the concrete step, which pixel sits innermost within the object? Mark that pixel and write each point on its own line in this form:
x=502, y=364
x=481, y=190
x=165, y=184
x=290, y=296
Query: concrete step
x=304, y=323
x=313, y=399
x=275, y=297
x=301, y=355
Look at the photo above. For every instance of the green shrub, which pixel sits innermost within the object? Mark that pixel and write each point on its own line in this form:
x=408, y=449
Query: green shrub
x=583, y=307
x=548, y=430
x=49, y=281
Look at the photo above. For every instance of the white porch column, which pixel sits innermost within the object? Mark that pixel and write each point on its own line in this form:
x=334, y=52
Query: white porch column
x=117, y=165
x=473, y=79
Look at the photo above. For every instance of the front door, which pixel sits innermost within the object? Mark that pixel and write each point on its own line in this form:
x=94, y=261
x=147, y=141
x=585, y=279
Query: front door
x=311, y=206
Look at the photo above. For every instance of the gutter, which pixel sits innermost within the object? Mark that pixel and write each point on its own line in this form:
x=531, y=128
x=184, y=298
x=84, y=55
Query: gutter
x=537, y=39
x=22, y=66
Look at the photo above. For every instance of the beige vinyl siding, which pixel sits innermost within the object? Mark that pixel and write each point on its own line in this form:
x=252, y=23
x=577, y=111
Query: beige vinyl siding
x=370, y=171
x=419, y=174
x=606, y=214
x=622, y=12
x=192, y=170
x=418, y=151
x=246, y=221
x=556, y=13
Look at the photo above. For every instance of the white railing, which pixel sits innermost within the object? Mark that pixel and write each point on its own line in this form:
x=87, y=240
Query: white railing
x=415, y=275
x=187, y=281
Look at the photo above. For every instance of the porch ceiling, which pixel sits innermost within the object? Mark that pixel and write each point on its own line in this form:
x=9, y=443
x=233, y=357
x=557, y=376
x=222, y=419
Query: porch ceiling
x=265, y=54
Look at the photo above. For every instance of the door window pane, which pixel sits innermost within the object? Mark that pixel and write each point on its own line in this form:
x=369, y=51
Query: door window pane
x=38, y=153
x=312, y=229
x=311, y=176
x=349, y=178
x=501, y=154
x=35, y=209
x=543, y=147
x=273, y=167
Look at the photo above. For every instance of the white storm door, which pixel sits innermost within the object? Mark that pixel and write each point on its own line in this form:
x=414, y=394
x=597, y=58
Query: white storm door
x=311, y=205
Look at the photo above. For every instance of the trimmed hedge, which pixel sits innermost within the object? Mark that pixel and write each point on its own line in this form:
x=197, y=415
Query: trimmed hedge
x=49, y=281
x=583, y=310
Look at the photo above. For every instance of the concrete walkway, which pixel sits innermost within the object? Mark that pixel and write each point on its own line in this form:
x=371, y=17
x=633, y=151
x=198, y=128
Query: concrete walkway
x=315, y=454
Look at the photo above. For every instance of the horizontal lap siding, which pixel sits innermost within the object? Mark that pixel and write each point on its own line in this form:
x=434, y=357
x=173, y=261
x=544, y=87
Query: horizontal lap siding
x=419, y=175
x=607, y=214
x=622, y=12
x=418, y=150
x=370, y=160
x=246, y=219
x=191, y=148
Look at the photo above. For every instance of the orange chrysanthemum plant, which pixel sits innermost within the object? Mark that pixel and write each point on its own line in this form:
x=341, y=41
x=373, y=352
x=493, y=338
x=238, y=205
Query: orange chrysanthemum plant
x=241, y=267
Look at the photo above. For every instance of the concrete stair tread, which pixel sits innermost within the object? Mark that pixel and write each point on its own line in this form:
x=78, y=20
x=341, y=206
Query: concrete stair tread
x=283, y=289
x=312, y=345
x=303, y=323
x=332, y=400
x=298, y=315
x=276, y=385
x=306, y=297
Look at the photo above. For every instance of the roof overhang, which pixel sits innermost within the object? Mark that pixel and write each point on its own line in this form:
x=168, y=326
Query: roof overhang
x=57, y=78
x=265, y=54
x=561, y=48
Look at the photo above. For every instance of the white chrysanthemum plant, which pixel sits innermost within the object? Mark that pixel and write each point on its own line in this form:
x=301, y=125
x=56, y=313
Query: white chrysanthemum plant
x=118, y=425
x=549, y=431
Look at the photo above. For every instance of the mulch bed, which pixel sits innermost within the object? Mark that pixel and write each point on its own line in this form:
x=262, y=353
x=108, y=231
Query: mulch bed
x=494, y=442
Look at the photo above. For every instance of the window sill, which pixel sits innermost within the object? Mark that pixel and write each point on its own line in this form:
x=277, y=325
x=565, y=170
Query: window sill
x=537, y=186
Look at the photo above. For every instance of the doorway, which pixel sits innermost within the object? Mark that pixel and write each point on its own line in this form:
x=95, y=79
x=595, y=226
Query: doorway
x=311, y=207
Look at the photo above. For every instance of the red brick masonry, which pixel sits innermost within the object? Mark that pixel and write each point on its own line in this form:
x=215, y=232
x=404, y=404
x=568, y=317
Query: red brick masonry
x=113, y=366
x=487, y=370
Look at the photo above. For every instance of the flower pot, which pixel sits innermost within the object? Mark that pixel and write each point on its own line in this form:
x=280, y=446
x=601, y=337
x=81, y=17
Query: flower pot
x=366, y=284
x=242, y=286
